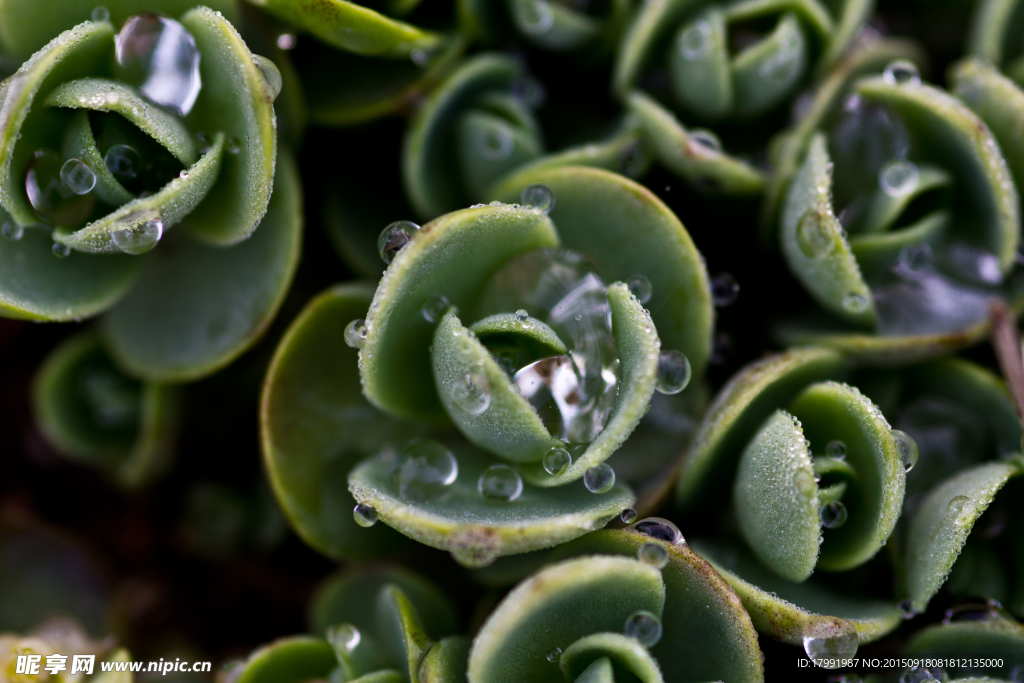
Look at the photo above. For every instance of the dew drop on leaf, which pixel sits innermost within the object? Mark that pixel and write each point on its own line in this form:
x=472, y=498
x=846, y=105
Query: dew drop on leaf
x=365, y=515
x=654, y=554
x=12, y=231
x=500, y=483
x=77, y=176
x=495, y=141
x=554, y=654
x=724, y=289
x=706, y=139
x=123, y=161
x=355, y=333
x=539, y=197
x=907, y=448
x=424, y=470
x=344, y=637
x=812, y=236
x=644, y=627
x=661, y=529
x=694, y=39
x=100, y=14
x=434, y=307
x=855, y=303
x=233, y=146
x=159, y=55
x=628, y=516
x=394, y=237
x=534, y=17
x=833, y=515
x=901, y=72
x=522, y=314
x=599, y=478
x=827, y=652
x=51, y=199
x=272, y=81
x=471, y=394
x=907, y=608
x=641, y=288
x=61, y=250
x=674, y=372
x=139, y=239
x=556, y=461
x=836, y=449
x=898, y=178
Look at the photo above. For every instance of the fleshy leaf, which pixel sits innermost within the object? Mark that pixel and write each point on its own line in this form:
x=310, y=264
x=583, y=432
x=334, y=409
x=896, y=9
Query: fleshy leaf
x=538, y=332
x=944, y=519
x=625, y=230
x=626, y=656
x=197, y=307
x=600, y=671
x=316, y=425
x=445, y=661
x=475, y=530
x=789, y=611
x=783, y=54
x=453, y=257
x=556, y=607
x=970, y=639
x=289, y=660
x=740, y=408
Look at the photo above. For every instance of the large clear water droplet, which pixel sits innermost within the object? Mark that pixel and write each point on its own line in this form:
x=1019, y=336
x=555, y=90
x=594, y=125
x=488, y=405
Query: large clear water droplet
x=830, y=652
x=644, y=627
x=960, y=509
x=60, y=250
x=51, y=199
x=833, y=515
x=641, y=288
x=344, y=637
x=160, y=55
x=898, y=178
x=424, y=470
x=812, y=236
x=500, y=483
x=123, y=161
x=913, y=260
x=535, y=17
x=628, y=516
x=77, y=176
x=901, y=72
x=539, y=197
x=355, y=333
x=654, y=554
x=674, y=372
x=556, y=461
x=272, y=81
x=471, y=394
x=364, y=515
x=694, y=40
x=724, y=289
x=554, y=654
x=907, y=448
x=13, y=231
x=139, y=239
x=836, y=449
x=434, y=307
x=599, y=478
x=661, y=529
x=522, y=314
x=394, y=237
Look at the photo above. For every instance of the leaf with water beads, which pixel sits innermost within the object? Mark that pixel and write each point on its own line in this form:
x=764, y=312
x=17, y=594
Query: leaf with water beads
x=627, y=657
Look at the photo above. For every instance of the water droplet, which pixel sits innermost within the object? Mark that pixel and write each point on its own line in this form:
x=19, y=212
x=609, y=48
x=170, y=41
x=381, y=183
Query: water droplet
x=554, y=654
x=100, y=14
x=286, y=41
x=500, y=483
x=535, y=17
x=495, y=141
x=471, y=394
x=61, y=250
x=901, y=72
x=365, y=515
x=394, y=237
x=644, y=627
x=829, y=652
x=833, y=515
x=855, y=303
x=660, y=528
x=424, y=469
x=907, y=448
x=161, y=55
x=913, y=259
x=724, y=289
x=907, y=607
x=139, y=239
x=706, y=139
x=233, y=146
x=77, y=176
x=529, y=91
x=641, y=288
x=921, y=674
x=959, y=506
x=556, y=461
x=599, y=478
x=434, y=307
x=898, y=178
x=122, y=161
x=13, y=231
x=344, y=637
x=51, y=199
x=812, y=236
x=355, y=333
x=654, y=554
x=628, y=516
x=836, y=449
x=539, y=197
x=272, y=81
x=694, y=40
x=522, y=314
x=674, y=372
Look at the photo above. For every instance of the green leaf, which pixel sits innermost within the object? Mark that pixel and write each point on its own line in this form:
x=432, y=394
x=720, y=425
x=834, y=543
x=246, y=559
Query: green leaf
x=706, y=168
x=600, y=671
x=352, y=27
x=34, y=285
x=739, y=409
x=85, y=50
x=101, y=94
x=707, y=634
x=782, y=55
x=196, y=307
x=24, y=29
x=531, y=330
x=289, y=660
x=625, y=230
x=234, y=101
x=813, y=241
x=453, y=256
x=789, y=611
x=316, y=425
x=875, y=253
x=973, y=638
x=445, y=661
x=477, y=531
x=386, y=676
x=989, y=35
x=479, y=170
x=940, y=528
x=555, y=608
x=638, y=346
x=703, y=83
x=95, y=415
x=625, y=656
x=400, y=631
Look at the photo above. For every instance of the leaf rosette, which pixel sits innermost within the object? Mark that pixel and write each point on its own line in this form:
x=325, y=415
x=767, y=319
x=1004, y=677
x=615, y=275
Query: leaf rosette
x=135, y=167
x=902, y=242
x=495, y=320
